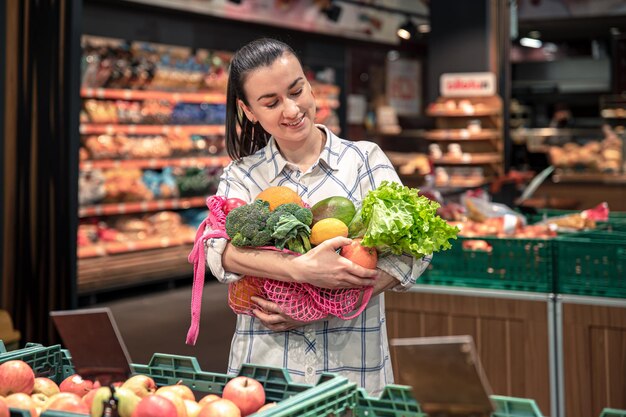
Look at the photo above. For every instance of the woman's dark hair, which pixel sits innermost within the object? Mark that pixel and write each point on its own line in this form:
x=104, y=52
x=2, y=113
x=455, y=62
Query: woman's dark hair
x=243, y=137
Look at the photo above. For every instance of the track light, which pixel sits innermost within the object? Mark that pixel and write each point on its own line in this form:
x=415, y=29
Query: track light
x=407, y=30
x=332, y=11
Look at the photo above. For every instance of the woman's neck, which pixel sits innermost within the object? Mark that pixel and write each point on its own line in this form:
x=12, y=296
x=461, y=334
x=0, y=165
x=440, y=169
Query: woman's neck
x=304, y=155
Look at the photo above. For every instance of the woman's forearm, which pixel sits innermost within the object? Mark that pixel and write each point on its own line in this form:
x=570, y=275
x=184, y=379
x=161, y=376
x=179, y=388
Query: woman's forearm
x=258, y=263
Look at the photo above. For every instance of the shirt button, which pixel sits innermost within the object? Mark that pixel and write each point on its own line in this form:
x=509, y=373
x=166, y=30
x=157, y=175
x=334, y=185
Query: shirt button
x=309, y=370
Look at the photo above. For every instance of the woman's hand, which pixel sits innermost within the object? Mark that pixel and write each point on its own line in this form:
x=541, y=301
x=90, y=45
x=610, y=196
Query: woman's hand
x=323, y=267
x=273, y=317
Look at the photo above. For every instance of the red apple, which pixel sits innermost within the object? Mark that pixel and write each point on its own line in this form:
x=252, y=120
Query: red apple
x=220, y=408
x=39, y=399
x=208, y=399
x=23, y=401
x=266, y=406
x=360, y=255
x=88, y=398
x=16, y=376
x=142, y=385
x=127, y=401
x=176, y=399
x=155, y=406
x=193, y=408
x=67, y=401
x=179, y=389
x=232, y=203
x=247, y=394
x=4, y=409
x=76, y=385
x=45, y=386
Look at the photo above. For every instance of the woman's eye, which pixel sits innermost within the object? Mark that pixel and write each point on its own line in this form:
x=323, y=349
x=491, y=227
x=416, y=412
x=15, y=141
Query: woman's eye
x=272, y=105
x=297, y=93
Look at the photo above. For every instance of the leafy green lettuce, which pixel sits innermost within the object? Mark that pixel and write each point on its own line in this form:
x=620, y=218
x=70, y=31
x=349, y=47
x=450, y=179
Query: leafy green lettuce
x=394, y=218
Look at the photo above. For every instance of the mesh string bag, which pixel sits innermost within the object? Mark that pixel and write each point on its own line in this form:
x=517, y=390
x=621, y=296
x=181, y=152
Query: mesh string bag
x=300, y=301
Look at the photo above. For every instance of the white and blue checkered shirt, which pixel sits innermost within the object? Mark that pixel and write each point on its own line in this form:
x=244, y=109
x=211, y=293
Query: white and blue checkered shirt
x=357, y=348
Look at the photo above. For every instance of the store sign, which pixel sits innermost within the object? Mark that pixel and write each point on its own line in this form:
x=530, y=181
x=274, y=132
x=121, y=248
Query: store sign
x=468, y=84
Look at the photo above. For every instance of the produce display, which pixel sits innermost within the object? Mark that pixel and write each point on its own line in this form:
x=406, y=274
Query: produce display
x=594, y=156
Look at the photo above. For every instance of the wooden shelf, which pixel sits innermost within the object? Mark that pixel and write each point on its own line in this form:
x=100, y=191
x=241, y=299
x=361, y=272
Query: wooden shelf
x=461, y=113
x=114, y=94
x=461, y=135
x=590, y=177
x=217, y=161
x=96, y=129
x=140, y=207
x=475, y=159
x=327, y=102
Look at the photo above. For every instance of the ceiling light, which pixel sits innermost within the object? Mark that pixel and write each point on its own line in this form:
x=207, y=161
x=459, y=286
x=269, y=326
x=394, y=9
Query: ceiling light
x=407, y=30
x=530, y=42
x=332, y=11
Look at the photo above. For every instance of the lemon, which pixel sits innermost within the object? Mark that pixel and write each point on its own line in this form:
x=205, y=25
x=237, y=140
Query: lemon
x=327, y=229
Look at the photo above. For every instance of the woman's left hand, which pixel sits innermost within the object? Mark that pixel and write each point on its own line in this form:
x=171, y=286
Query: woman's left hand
x=273, y=317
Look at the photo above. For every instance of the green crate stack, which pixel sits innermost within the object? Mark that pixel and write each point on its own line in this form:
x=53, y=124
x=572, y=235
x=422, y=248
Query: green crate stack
x=512, y=264
x=51, y=362
x=514, y=407
x=592, y=263
x=395, y=401
x=612, y=412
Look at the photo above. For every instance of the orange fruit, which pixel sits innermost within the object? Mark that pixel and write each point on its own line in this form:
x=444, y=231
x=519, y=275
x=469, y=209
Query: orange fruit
x=327, y=229
x=278, y=195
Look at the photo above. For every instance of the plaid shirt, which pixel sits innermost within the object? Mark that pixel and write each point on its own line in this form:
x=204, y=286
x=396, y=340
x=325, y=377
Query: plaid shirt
x=357, y=348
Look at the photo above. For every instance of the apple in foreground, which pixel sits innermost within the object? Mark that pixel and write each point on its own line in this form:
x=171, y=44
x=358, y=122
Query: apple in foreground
x=209, y=398
x=23, y=401
x=220, y=408
x=4, y=409
x=76, y=385
x=179, y=389
x=45, y=386
x=177, y=400
x=193, y=408
x=155, y=406
x=16, y=376
x=67, y=401
x=142, y=385
x=247, y=394
x=266, y=406
x=360, y=255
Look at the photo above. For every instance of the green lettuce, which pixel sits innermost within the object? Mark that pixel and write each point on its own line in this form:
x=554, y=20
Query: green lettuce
x=395, y=219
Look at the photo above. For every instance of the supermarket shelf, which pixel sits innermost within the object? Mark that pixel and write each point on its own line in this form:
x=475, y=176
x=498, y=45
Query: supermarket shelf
x=473, y=159
x=461, y=134
x=116, y=248
x=461, y=113
x=140, y=207
x=453, y=186
x=613, y=179
x=155, y=163
x=105, y=273
x=327, y=102
x=405, y=133
x=113, y=94
x=96, y=129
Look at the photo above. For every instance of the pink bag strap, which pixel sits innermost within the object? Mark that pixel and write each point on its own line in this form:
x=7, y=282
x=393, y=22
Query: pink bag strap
x=216, y=221
x=367, y=295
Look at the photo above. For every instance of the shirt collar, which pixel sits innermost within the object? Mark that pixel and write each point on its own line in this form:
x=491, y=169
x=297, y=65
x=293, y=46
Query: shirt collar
x=329, y=155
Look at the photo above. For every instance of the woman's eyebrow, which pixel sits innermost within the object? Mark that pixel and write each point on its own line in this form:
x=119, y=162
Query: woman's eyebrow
x=292, y=85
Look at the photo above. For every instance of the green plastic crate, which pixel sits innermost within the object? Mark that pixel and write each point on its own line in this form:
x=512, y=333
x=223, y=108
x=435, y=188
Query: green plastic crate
x=512, y=264
x=592, y=263
x=613, y=412
x=514, y=407
x=52, y=362
x=395, y=401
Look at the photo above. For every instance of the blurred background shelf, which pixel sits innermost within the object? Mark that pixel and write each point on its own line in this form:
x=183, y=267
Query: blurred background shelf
x=141, y=206
x=156, y=163
x=175, y=97
x=95, y=129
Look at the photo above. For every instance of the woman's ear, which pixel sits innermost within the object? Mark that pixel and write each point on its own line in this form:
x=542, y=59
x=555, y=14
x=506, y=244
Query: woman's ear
x=247, y=111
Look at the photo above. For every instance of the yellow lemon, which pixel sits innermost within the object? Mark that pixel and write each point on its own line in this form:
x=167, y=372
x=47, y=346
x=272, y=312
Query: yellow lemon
x=327, y=229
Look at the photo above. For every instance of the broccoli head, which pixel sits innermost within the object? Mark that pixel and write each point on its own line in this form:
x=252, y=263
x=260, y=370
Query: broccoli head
x=247, y=225
x=303, y=214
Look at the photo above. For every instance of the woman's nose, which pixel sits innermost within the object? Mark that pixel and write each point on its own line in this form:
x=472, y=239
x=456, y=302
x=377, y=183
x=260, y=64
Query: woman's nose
x=291, y=108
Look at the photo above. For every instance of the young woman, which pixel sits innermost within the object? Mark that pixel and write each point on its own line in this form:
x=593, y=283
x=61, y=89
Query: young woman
x=273, y=140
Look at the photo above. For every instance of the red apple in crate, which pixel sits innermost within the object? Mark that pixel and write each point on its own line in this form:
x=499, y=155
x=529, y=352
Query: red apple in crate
x=360, y=255
x=39, y=399
x=179, y=389
x=155, y=406
x=127, y=401
x=23, y=401
x=45, y=386
x=247, y=394
x=193, y=408
x=4, y=409
x=16, y=376
x=209, y=398
x=142, y=385
x=88, y=398
x=266, y=406
x=67, y=401
x=220, y=408
x=176, y=399
x=76, y=385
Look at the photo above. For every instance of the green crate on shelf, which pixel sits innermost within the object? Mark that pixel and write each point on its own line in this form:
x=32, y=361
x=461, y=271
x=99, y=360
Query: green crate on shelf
x=592, y=263
x=510, y=264
x=52, y=362
x=395, y=401
x=613, y=412
x=514, y=407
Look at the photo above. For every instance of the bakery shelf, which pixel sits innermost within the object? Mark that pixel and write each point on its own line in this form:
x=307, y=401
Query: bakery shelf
x=461, y=113
x=96, y=129
x=589, y=177
x=140, y=206
x=461, y=135
x=156, y=163
x=472, y=159
x=327, y=102
x=115, y=94
x=115, y=248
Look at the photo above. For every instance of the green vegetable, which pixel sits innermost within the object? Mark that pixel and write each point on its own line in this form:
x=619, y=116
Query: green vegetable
x=247, y=225
x=291, y=233
x=395, y=219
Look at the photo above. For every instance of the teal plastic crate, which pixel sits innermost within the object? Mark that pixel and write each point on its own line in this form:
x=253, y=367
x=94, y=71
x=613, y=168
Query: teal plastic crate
x=592, y=263
x=613, y=412
x=52, y=362
x=511, y=264
x=514, y=407
x=395, y=401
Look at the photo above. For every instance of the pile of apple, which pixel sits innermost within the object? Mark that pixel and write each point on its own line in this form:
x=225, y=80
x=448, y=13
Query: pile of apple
x=138, y=396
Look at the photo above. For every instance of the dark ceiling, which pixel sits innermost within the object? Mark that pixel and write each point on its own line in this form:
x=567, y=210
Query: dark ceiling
x=573, y=29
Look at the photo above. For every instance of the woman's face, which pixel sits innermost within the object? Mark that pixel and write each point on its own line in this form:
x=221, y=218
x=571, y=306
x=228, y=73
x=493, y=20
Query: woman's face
x=280, y=99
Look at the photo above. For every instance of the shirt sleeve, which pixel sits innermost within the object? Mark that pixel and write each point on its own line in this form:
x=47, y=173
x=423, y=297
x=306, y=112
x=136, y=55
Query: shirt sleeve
x=404, y=268
x=231, y=185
